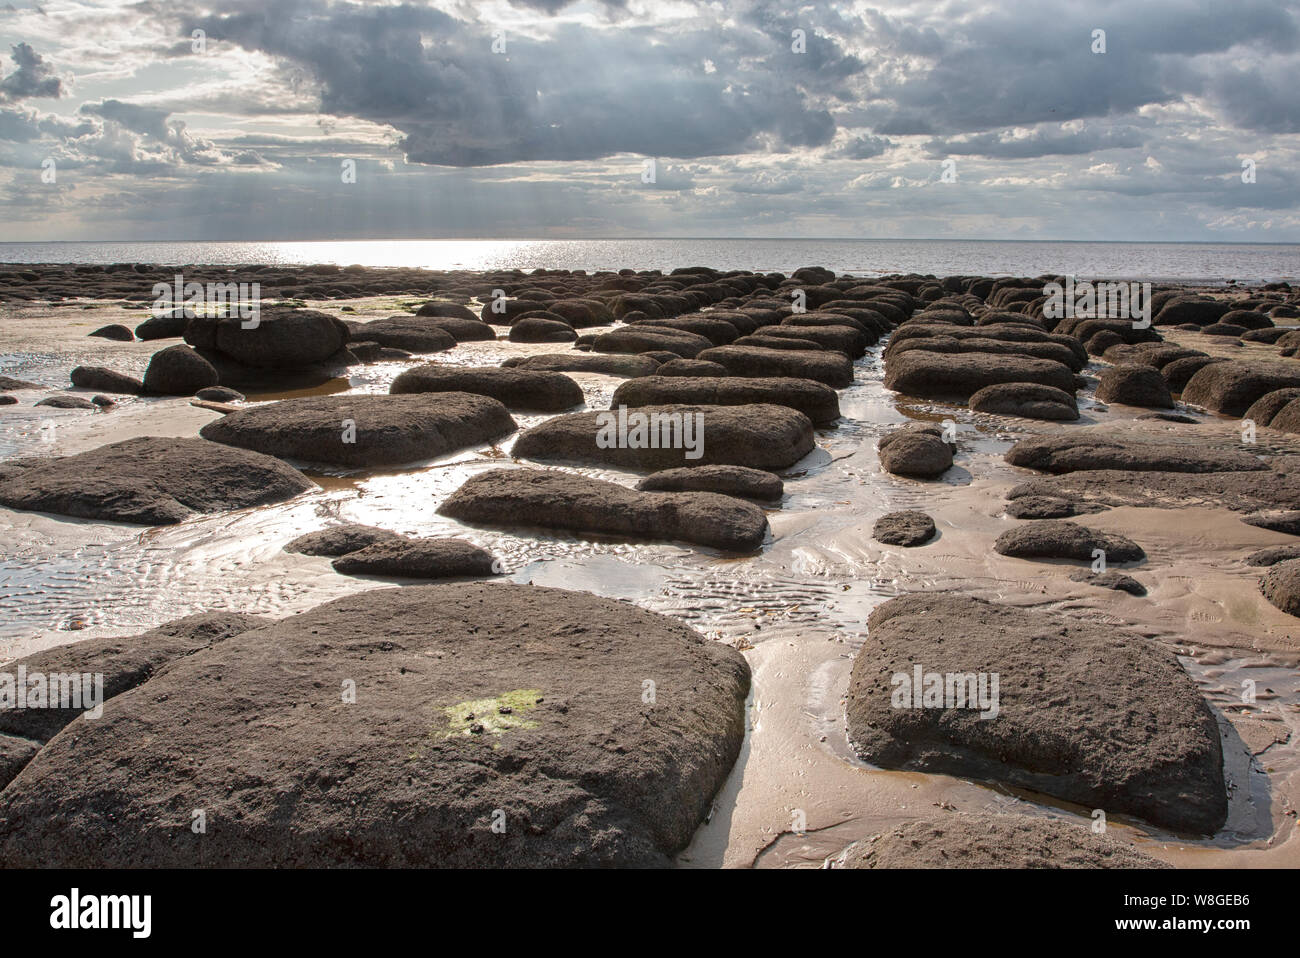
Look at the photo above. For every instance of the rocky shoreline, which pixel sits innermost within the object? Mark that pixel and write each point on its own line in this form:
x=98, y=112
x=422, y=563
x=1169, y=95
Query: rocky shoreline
x=502, y=723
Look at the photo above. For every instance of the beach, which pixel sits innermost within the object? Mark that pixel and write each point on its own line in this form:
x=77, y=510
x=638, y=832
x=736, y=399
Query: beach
x=792, y=613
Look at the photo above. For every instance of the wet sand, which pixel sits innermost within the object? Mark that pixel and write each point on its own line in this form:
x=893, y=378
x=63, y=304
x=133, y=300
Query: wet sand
x=797, y=610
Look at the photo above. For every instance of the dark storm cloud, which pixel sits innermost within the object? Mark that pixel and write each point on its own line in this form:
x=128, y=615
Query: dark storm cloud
x=33, y=78
x=578, y=94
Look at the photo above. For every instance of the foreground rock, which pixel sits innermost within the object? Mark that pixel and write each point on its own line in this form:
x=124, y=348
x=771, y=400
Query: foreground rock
x=1066, y=724
x=1028, y=400
x=663, y=437
x=9, y=384
x=517, y=388
x=1058, y=539
x=364, y=430
x=1110, y=580
x=727, y=480
x=1073, y=453
x=524, y=498
x=817, y=401
x=418, y=334
x=151, y=480
x=908, y=528
x=963, y=840
x=469, y=698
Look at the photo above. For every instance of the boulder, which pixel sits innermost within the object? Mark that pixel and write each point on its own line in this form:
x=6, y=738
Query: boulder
x=1046, y=507
x=829, y=368
x=1110, y=580
x=907, y=528
x=958, y=376
x=815, y=400
x=964, y=840
x=151, y=480
x=517, y=388
x=417, y=559
x=532, y=329
x=1060, y=539
x=917, y=451
x=1273, y=556
x=66, y=401
x=445, y=310
x=341, y=539
x=414, y=334
x=690, y=367
x=1179, y=372
x=219, y=394
x=178, y=371
x=114, y=331
x=761, y=436
x=1281, y=585
x=97, y=377
x=9, y=384
x=607, y=365
x=1264, y=409
x=365, y=430
x=1066, y=723
x=640, y=338
x=1133, y=384
x=279, y=338
x=1028, y=400
x=727, y=480
x=522, y=498
x=1231, y=387
x=1071, y=453
x=469, y=698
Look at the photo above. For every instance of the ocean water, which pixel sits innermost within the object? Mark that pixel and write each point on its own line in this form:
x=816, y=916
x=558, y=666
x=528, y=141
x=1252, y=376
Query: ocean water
x=1192, y=262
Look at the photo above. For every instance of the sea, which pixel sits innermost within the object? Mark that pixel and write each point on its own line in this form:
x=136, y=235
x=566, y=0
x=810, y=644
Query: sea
x=1210, y=263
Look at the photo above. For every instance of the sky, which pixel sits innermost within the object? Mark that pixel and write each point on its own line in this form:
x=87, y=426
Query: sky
x=316, y=119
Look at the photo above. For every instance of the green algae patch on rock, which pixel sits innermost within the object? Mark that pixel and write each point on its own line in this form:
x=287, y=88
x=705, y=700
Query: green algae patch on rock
x=493, y=716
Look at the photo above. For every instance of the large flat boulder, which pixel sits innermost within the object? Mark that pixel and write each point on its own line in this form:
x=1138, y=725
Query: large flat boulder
x=1085, y=711
x=817, y=401
x=1238, y=491
x=151, y=480
x=524, y=498
x=465, y=725
x=418, y=334
x=1028, y=400
x=830, y=368
x=958, y=376
x=517, y=388
x=365, y=430
x=728, y=480
x=761, y=436
x=1073, y=453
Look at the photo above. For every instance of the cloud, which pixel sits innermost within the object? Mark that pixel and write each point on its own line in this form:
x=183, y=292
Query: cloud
x=33, y=78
